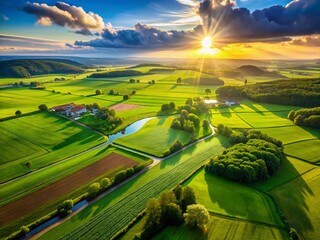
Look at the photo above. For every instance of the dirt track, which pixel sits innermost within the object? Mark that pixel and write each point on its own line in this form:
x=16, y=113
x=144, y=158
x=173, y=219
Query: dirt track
x=123, y=106
x=27, y=204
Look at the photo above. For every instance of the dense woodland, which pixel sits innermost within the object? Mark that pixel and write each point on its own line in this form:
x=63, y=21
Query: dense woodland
x=295, y=92
x=309, y=117
x=254, y=157
x=30, y=67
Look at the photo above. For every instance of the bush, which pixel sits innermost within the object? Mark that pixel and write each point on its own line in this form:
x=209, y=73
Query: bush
x=205, y=124
x=43, y=107
x=111, y=92
x=98, y=92
x=18, y=113
x=129, y=172
x=120, y=176
x=105, y=183
x=93, y=191
x=125, y=97
x=176, y=146
x=65, y=208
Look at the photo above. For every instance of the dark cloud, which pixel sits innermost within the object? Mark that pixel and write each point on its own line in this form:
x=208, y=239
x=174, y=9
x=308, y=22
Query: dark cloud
x=311, y=41
x=63, y=14
x=221, y=17
x=141, y=36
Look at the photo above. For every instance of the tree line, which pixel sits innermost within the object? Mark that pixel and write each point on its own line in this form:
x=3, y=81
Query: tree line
x=309, y=117
x=295, y=92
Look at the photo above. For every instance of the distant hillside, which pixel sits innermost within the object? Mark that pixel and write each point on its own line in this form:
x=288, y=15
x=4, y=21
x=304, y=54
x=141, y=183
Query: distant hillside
x=118, y=73
x=250, y=70
x=25, y=68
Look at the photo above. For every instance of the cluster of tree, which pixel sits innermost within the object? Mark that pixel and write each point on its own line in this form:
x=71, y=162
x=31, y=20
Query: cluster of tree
x=134, y=80
x=98, y=187
x=25, y=68
x=43, y=107
x=253, y=161
x=295, y=92
x=245, y=135
x=59, y=79
x=118, y=73
x=104, y=119
x=306, y=117
x=168, y=107
x=189, y=119
x=33, y=85
x=173, y=208
x=152, y=82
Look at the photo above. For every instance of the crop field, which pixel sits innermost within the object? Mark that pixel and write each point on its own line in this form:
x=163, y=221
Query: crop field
x=302, y=206
x=156, y=137
x=133, y=196
x=224, y=228
x=290, y=134
x=123, y=107
x=297, y=149
x=229, y=198
x=59, y=139
x=66, y=185
x=266, y=119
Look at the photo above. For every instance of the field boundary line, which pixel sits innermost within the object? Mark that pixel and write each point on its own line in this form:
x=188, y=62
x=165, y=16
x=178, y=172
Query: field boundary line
x=245, y=220
x=298, y=158
x=244, y=120
x=303, y=140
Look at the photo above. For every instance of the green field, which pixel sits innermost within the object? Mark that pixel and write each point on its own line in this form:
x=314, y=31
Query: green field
x=229, y=119
x=163, y=176
x=156, y=137
x=290, y=134
x=229, y=198
x=299, y=201
x=265, y=119
x=306, y=150
x=48, y=139
x=223, y=228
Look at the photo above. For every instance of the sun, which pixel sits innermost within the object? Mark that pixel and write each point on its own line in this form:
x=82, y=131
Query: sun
x=206, y=43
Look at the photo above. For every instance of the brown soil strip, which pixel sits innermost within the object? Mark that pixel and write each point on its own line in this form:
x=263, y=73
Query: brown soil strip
x=123, y=106
x=29, y=203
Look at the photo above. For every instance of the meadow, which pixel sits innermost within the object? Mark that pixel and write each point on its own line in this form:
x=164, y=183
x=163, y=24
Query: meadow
x=40, y=140
x=156, y=137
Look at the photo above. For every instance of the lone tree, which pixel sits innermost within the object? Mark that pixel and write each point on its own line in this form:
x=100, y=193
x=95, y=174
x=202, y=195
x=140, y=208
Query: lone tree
x=125, y=97
x=18, y=113
x=208, y=91
x=197, y=216
x=111, y=92
x=245, y=81
x=28, y=164
x=179, y=80
x=43, y=107
x=98, y=92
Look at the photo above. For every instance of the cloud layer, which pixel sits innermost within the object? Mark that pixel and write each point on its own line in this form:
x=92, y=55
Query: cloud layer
x=142, y=36
x=63, y=14
x=221, y=17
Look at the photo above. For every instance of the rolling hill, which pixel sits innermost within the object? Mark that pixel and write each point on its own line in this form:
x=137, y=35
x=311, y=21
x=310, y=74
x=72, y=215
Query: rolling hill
x=251, y=70
x=25, y=68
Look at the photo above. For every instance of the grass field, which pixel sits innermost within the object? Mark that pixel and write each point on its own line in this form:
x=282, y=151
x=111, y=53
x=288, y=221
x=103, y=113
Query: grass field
x=156, y=137
x=265, y=119
x=223, y=228
x=306, y=150
x=229, y=198
x=163, y=176
x=48, y=139
x=229, y=119
x=290, y=134
x=299, y=201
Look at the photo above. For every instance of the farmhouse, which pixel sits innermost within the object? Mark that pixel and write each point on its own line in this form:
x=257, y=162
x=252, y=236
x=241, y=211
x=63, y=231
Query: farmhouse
x=70, y=109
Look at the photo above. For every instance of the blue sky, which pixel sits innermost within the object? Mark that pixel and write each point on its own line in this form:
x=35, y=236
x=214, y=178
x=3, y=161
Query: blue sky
x=29, y=20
